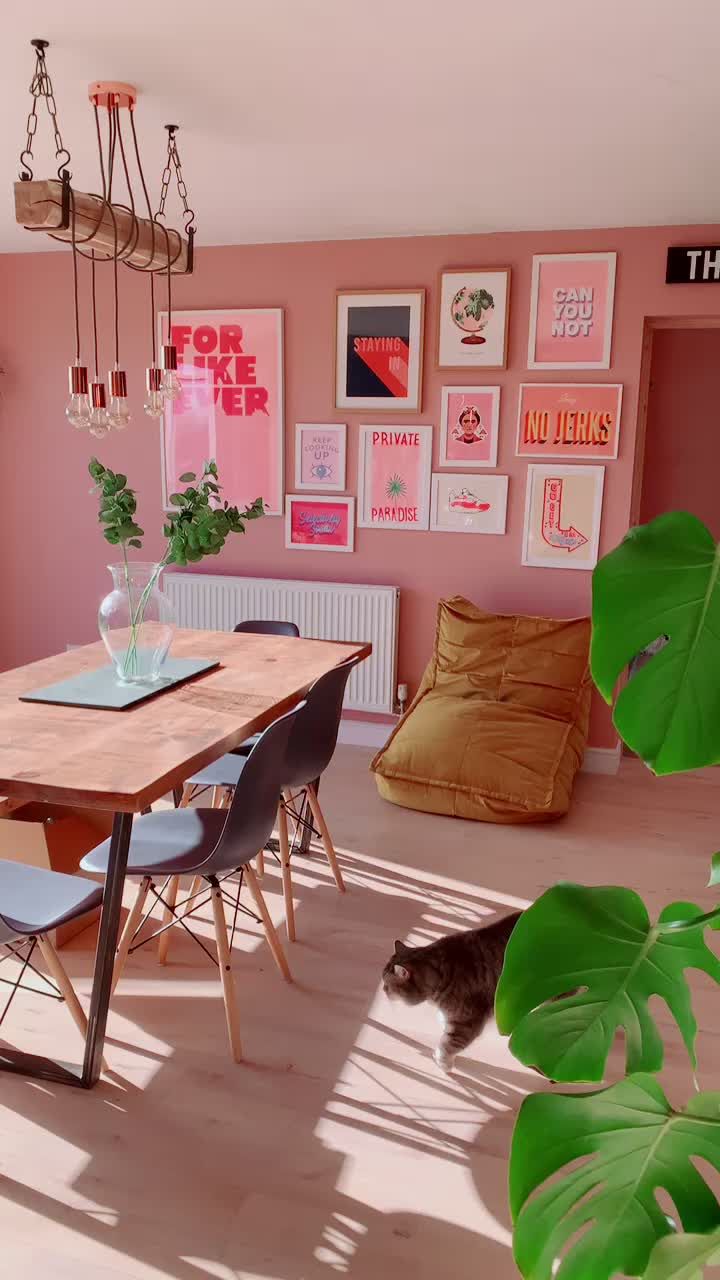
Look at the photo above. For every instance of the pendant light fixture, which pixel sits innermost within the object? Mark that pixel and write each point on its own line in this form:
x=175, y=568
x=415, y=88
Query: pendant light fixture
x=103, y=229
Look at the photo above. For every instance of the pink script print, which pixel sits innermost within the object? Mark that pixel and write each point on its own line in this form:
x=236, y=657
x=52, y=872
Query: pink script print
x=581, y=274
x=460, y=446
x=231, y=404
x=319, y=524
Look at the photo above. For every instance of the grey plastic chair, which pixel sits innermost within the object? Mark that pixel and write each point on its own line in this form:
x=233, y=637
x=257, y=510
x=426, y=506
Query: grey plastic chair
x=310, y=750
x=210, y=845
x=262, y=627
x=33, y=902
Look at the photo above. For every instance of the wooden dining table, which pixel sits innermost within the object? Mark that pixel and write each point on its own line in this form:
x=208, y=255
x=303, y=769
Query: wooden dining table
x=123, y=761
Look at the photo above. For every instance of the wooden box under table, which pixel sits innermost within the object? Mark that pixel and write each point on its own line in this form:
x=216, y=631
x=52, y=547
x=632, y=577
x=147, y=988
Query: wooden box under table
x=55, y=837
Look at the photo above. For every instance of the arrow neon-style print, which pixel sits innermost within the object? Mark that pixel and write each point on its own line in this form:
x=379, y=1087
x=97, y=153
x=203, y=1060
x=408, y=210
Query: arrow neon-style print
x=552, y=531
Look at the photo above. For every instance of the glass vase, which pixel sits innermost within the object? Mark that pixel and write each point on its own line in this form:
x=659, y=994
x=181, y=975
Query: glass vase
x=137, y=622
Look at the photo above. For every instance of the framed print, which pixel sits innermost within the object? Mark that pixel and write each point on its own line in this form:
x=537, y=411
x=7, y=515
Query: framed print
x=319, y=523
x=571, y=310
x=468, y=503
x=563, y=508
x=394, y=477
x=473, y=314
x=230, y=365
x=469, y=418
x=378, y=349
x=569, y=420
x=320, y=456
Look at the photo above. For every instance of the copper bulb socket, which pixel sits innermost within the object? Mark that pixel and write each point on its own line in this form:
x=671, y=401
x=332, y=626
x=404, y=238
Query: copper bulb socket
x=78, y=379
x=98, y=395
x=118, y=382
x=154, y=378
x=169, y=358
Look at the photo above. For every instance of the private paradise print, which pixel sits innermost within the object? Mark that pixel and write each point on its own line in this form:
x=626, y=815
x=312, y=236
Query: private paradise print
x=394, y=477
x=562, y=420
x=319, y=523
x=230, y=365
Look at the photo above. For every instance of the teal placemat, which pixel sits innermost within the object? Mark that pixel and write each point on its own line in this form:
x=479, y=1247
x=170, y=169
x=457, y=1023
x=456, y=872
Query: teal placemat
x=102, y=690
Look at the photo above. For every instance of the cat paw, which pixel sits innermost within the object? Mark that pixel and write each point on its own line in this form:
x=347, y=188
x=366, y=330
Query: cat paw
x=446, y=1061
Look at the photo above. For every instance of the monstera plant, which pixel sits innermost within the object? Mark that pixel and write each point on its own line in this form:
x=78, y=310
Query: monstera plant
x=583, y=963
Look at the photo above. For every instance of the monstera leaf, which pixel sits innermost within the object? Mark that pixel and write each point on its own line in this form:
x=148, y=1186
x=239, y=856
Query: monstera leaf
x=683, y=1257
x=582, y=963
x=663, y=580
x=634, y=1144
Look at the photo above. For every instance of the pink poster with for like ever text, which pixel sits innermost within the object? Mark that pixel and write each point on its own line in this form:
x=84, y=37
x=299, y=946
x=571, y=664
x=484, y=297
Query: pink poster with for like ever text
x=230, y=365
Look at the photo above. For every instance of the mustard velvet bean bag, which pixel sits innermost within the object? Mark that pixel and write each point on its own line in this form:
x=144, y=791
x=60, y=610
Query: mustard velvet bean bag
x=499, y=724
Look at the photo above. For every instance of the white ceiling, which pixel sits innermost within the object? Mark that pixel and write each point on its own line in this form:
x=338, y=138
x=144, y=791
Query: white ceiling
x=326, y=119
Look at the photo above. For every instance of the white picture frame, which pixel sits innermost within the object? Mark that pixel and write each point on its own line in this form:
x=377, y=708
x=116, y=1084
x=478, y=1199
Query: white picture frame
x=580, y=499
x=448, y=513
x=324, y=501
x=367, y=448
x=573, y=262
x=377, y=316
x=571, y=392
x=486, y=402
x=336, y=431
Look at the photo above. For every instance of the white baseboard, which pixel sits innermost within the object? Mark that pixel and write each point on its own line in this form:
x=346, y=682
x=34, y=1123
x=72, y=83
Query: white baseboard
x=371, y=733
x=602, y=759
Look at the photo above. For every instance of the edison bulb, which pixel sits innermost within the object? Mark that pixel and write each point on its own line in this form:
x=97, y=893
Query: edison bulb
x=154, y=402
x=77, y=410
x=171, y=385
x=118, y=412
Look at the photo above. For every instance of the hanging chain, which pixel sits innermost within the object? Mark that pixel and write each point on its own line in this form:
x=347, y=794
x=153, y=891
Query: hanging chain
x=173, y=162
x=41, y=87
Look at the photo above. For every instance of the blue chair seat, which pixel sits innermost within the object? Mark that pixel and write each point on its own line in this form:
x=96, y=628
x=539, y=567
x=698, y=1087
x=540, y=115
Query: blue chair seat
x=224, y=772
x=34, y=901
x=246, y=745
x=171, y=842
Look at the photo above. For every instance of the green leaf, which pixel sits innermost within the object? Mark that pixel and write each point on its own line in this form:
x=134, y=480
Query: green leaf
x=135, y=542
x=683, y=1257
x=633, y=1143
x=663, y=580
x=187, y=477
x=582, y=963
x=715, y=870
x=177, y=499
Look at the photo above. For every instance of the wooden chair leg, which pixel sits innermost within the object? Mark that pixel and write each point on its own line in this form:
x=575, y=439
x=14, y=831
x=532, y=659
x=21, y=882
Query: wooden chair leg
x=186, y=796
x=65, y=986
x=286, y=872
x=171, y=894
x=270, y=931
x=325, y=836
x=218, y=798
x=226, y=974
x=128, y=932
x=260, y=864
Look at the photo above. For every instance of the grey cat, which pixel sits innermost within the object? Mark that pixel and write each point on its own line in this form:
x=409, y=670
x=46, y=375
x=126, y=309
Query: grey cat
x=459, y=974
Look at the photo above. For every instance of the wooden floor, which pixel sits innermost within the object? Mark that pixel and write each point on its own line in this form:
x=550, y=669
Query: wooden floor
x=338, y=1149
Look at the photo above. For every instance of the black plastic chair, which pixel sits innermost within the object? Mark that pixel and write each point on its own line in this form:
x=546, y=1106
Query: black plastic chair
x=33, y=902
x=262, y=627
x=210, y=844
x=310, y=750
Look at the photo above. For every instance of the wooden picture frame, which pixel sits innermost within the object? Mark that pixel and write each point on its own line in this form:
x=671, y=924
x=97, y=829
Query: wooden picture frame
x=385, y=361
x=468, y=350
x=600, y=415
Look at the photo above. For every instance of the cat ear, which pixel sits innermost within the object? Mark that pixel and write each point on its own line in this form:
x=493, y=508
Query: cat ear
x=401, y=972
x=401, y=949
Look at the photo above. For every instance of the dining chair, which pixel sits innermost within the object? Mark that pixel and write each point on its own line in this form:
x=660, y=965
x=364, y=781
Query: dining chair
x=33, y=902
x=310, y=750
x=211, y=845
x=262, y=627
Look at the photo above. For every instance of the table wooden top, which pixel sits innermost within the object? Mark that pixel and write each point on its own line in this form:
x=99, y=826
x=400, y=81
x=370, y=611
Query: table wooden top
x=124, y=760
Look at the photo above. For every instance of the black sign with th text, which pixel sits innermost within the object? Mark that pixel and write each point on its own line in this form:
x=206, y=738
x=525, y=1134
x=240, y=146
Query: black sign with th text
x=693, y=265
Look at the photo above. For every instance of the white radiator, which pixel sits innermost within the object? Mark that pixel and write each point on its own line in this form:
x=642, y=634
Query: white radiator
x=322, y=611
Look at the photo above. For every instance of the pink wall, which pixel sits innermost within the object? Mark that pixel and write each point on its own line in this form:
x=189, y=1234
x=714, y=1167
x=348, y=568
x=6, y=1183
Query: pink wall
x=682, y=444
x=52, y=558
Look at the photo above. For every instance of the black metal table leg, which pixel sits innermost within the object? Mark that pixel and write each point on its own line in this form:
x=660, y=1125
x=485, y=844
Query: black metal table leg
x=42, y=1068
x=106, y=946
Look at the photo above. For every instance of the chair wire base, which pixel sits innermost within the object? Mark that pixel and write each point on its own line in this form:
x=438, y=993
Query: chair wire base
x=15, y=951
x=180, y=912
